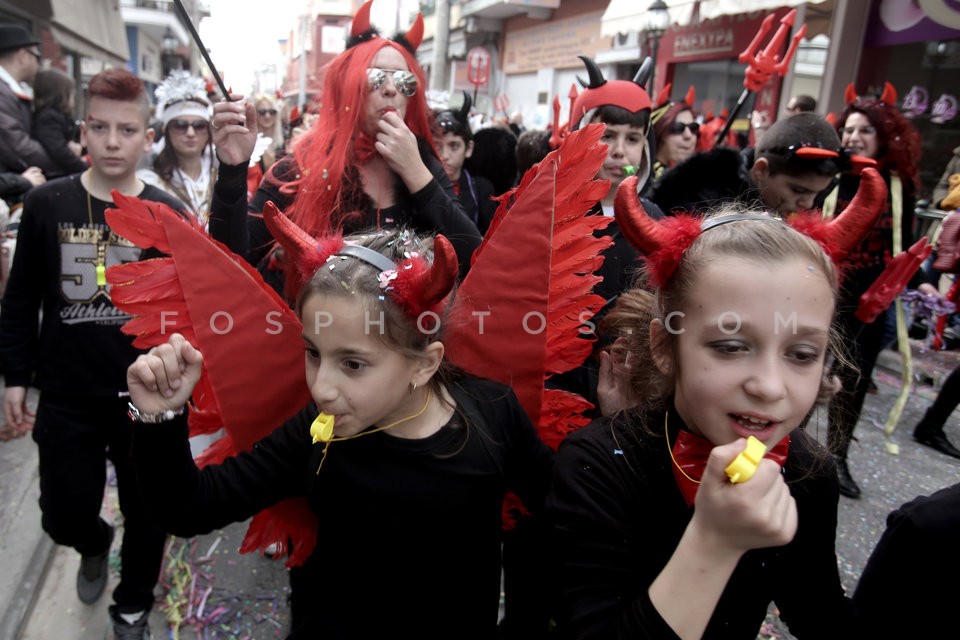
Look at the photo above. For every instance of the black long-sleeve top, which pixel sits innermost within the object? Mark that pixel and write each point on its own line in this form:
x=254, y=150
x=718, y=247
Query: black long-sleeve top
x=410, y=530
x=78, y=350
x=433, y=209
x=618, y=516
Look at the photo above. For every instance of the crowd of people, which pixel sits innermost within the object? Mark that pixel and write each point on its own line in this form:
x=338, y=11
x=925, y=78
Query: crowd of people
x=378, y=206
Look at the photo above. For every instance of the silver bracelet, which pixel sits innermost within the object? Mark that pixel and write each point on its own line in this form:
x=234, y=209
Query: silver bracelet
x=152, y=418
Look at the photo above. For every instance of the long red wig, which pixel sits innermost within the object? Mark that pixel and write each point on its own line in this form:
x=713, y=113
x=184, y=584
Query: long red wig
x=327, y=186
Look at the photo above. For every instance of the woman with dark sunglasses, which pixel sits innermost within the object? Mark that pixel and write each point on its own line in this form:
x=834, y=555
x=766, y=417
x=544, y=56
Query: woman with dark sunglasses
x=676, y=133
x=369, y=159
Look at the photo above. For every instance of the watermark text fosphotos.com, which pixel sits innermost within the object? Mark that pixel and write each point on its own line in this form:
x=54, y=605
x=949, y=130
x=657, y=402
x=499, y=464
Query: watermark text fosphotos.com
x=429, y=323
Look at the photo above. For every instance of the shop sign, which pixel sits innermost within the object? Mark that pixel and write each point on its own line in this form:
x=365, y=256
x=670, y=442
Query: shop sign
x=554, y=44
x=706, y=42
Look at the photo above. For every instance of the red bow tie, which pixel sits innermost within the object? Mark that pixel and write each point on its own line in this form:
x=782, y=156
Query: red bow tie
x=690, y=453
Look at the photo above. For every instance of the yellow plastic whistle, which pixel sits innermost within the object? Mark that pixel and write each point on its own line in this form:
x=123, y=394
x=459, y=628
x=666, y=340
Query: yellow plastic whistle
x=745, y=464
x=322, y=428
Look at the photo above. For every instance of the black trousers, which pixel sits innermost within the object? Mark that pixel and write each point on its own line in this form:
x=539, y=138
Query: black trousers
x=865, y=342
x=947, y=400
x=75, y=438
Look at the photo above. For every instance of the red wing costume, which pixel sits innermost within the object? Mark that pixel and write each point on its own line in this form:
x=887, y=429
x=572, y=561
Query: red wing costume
x=530, y=283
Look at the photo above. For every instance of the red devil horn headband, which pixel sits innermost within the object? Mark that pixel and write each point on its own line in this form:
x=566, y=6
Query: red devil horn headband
x=362, y=30
x=664, y=242
x=888, y=97
x=415, y=285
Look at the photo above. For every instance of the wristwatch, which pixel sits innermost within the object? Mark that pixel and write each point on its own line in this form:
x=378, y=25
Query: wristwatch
x=152, y=418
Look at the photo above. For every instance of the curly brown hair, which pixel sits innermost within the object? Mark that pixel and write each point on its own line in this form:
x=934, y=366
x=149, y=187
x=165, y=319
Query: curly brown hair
x=899, y=142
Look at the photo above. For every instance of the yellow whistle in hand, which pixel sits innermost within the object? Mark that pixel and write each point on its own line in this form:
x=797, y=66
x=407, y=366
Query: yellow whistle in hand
x=745, y=464
x=322, y=428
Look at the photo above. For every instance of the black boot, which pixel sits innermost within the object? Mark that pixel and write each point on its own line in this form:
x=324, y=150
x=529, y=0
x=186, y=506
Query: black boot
x=848, y=487
x=934, y=438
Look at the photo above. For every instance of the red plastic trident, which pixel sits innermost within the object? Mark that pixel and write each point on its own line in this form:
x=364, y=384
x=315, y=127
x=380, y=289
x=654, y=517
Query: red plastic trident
x=892, y=281
x=555, y=134
x=765, y=64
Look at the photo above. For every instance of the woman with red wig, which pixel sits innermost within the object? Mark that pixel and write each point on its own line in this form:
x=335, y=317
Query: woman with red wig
x=367, y=161
x=873, y=127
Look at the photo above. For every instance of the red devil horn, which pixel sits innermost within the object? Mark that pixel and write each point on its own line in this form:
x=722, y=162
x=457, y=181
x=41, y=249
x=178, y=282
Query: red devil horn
x=664, y=96
x=437, y=281
x=889, y=95
x=361, y=21
x=415, y=35
x=850, y=94
x=847, y=230
x=640, y=230
x=691, y=96
x=295, y=240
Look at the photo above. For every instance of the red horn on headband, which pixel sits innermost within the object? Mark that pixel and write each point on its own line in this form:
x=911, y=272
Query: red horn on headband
x=438, y=280
x=846, y=230
x=889, y=95
x=415, y=34
x=850, y=94
x=303, y=251
x=644, y=233
x=361, y=21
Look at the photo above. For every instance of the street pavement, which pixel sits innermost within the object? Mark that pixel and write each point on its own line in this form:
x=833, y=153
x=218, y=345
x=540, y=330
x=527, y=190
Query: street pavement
x=216, y=592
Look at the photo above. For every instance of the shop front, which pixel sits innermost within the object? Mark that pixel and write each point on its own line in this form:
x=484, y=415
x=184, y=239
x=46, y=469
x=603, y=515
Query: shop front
x=704, y=55
x=917, y=49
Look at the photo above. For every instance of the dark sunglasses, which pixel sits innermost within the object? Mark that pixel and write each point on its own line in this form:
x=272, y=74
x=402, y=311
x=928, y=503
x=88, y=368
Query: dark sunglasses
x=181, y=126
x=267, y=112
x=678, y=127
x=404, y=81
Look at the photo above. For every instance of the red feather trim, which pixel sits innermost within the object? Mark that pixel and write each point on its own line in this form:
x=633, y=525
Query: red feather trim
x=290, y=520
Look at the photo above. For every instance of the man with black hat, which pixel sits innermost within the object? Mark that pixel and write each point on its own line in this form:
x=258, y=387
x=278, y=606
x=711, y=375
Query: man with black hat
x=19, y=63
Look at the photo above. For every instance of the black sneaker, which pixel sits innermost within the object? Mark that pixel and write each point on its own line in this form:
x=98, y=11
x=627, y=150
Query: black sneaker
x=139, y=629
x=93, y=574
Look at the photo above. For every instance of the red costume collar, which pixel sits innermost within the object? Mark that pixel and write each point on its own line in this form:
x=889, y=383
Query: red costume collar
x=690, y=453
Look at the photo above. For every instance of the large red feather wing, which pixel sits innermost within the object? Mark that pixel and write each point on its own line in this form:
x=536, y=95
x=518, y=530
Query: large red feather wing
x=222, y=305
x=520, y=311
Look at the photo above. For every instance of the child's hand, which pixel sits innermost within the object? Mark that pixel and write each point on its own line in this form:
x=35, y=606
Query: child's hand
x=163, y=378
x=751, y=515
x=613, y=384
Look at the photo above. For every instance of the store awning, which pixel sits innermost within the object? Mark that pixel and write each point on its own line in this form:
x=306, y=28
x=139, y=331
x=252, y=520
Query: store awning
x=93, y=29
x=624, y=16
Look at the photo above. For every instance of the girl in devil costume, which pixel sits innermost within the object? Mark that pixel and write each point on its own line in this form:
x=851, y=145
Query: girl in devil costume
x=406, y=468
x=652, y=538
x=368, y=160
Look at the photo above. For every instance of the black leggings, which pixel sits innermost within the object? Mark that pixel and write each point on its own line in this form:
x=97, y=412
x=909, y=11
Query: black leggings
x=75, y=437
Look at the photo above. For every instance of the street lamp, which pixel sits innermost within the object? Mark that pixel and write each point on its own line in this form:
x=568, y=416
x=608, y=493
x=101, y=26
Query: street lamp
x=169, y=42
x=655, y=23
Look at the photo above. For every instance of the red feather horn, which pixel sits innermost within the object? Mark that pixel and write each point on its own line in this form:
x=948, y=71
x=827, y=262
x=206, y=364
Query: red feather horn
x=361, y=21
x=415, y=35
